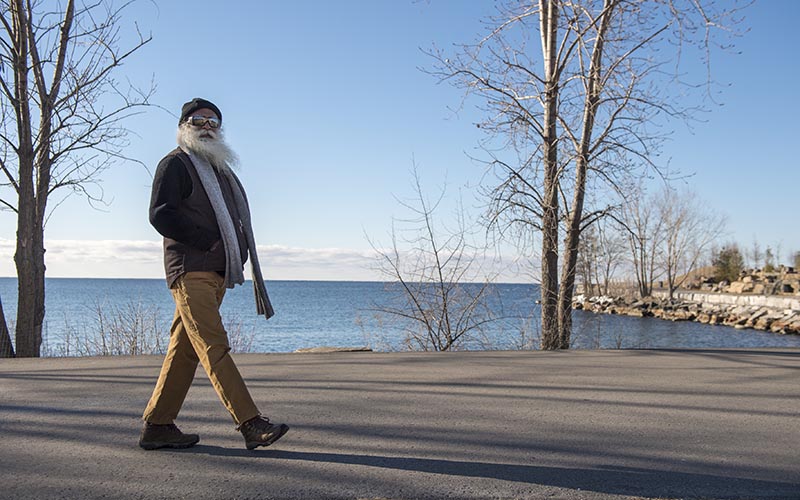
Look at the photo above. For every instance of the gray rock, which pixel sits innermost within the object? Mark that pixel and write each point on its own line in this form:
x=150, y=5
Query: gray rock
x=324, y=349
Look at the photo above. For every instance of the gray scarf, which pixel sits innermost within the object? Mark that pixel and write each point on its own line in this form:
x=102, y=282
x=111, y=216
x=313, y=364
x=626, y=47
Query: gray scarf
x=234, y=273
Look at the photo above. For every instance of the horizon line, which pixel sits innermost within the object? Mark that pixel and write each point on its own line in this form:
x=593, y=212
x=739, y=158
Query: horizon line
x=321, y=280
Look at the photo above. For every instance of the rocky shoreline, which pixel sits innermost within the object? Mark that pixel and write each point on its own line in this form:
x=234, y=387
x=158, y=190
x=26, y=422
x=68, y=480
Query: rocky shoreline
x=783, y=321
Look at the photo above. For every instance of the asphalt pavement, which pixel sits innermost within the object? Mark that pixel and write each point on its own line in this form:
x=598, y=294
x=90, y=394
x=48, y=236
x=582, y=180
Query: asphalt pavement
x=494, y=424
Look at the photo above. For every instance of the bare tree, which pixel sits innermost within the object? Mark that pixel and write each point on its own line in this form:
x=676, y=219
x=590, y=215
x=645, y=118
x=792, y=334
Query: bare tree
x=588, y=253
x=601, y=252
x=578, y=116
x=609, y=255
x=755, y=254
x=644, y=234
x=6, y=346
x=438, y=297
x=62, y=114
x=689, y=230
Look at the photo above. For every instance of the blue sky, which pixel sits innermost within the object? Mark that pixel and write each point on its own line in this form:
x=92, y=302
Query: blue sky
x=327, y=107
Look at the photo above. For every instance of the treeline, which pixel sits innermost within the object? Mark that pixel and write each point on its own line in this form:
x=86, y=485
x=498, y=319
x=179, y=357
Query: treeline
x=666, y=239
x=730, y=261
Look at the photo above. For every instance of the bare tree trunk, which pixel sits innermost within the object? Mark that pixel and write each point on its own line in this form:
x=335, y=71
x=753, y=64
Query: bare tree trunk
x=29, y=260
x=575, y=217
x=30, y=279
x=29, y=317
x=35, y=158
x=670, y=281
x=549, y=29
x=570, y=262
x=6, y=346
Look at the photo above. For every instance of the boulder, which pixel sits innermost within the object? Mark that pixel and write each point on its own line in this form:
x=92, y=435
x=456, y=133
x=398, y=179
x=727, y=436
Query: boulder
x=778, y=326
x=735, y=320
x=635, y=312
x=741, y=310
x=765, y=322
x=602, y=300
x=679, y=315
x=762, y=323
x=753, y=318
x=736, y=287
x=784, y=324
x=793, y=328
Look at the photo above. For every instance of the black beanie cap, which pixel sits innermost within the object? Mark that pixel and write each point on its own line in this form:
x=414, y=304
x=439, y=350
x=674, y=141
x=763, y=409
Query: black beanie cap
x=195, y=104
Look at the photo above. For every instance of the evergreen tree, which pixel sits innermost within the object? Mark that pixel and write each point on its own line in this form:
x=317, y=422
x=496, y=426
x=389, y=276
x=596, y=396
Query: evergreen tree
x=728, y=264
x=769, y=260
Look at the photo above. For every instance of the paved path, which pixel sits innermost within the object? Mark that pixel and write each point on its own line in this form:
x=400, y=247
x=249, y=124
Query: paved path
x=578, y=424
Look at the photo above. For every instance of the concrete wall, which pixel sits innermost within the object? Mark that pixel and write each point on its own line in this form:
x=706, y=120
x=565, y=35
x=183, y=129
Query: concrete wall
x=771, y=301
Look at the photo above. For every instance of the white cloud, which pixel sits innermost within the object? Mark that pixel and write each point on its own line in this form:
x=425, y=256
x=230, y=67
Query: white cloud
x=283, y=262
x=93, y=258
x=81, y=251
x=144, y=259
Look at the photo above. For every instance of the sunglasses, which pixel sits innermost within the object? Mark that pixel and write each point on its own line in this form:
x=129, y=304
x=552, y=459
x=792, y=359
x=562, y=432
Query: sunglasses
x=200, y=121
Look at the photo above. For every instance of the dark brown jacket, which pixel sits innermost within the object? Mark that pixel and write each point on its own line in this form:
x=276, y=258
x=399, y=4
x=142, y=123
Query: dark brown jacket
x=181, y=212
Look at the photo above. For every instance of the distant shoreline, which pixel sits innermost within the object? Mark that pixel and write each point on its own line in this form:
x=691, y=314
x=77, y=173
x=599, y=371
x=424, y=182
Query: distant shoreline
x=770, y=313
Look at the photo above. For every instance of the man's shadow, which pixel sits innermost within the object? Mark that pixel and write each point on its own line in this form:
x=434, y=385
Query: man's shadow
x=603, y=478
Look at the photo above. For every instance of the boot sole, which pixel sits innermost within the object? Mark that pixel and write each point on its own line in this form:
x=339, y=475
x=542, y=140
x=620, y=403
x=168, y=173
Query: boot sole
x=252, y=445
x=155, y=445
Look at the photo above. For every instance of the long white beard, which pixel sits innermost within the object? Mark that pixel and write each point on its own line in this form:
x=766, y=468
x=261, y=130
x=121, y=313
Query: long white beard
x=209, y=144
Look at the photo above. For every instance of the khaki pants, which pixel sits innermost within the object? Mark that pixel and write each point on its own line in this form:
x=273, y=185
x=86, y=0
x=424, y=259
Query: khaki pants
x=196, y=335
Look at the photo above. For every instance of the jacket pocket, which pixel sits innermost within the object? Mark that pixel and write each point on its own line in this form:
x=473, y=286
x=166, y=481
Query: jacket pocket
x=214, y=258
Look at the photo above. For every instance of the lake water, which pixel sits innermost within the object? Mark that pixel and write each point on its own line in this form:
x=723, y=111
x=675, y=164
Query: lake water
x=324, y=313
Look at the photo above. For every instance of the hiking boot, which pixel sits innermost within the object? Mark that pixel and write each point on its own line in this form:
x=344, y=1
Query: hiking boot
x=259, y=431
x=156, y=436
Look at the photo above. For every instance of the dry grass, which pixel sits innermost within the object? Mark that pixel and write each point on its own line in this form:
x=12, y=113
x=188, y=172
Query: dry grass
x=129, y=330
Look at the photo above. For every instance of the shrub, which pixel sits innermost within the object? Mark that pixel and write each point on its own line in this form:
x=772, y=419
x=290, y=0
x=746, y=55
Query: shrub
x=728, y=264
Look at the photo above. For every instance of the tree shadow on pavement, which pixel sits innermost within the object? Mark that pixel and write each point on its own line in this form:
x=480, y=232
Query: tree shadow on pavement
x=607, y=479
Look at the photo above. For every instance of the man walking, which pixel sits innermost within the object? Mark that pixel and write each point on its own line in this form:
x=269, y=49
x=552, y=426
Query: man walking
x=199, y=206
